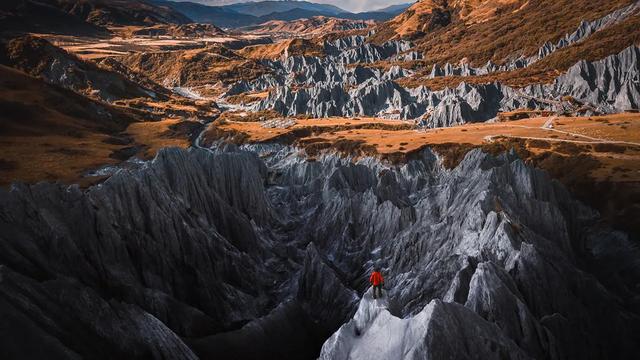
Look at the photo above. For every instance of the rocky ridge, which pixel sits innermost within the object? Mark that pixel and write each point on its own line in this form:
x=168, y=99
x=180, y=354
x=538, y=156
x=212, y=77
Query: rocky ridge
x=605, y=86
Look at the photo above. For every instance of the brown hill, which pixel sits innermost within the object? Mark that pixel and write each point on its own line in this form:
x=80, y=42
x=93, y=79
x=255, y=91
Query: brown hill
x=603, y=43
x=291, y=47
x=180, y=31
x=48, y=132
x=420, y=18
x=196, y=67
x=20, y=16
x=497, y=30
x=314, y=26
x=82, y=17
x=54, y=134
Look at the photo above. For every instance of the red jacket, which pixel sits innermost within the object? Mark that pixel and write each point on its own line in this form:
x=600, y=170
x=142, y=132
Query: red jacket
x=376, y=278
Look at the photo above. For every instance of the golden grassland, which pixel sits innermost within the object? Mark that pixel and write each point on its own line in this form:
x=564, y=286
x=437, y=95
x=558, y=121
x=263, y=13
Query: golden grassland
x=68, y=159
x=49, y=133
x=161, y=134
x=293, y=47
x=494, y=30
x=609, y=138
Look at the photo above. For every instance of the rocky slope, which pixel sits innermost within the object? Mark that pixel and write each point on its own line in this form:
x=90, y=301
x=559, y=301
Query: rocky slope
x=341, y=84
x=201, y=252
x=38, y=57
x=196, y=67
x=583, y=31
x=500, y=31
x=605, y=86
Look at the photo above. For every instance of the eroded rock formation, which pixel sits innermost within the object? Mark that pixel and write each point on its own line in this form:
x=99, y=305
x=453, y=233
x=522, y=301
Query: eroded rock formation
x=330, y=89
x=233, y=253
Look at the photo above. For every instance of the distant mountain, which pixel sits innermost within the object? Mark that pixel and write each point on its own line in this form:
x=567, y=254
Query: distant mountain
x=218, y=15
x=255, y=13
x=317, y=25
x=262, y=8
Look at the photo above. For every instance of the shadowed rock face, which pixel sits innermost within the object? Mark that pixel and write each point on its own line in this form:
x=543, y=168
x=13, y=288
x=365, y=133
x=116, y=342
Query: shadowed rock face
x=258, y=252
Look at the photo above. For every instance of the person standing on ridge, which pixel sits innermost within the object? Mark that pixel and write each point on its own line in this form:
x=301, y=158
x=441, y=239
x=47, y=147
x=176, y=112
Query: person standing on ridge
x=377, y=281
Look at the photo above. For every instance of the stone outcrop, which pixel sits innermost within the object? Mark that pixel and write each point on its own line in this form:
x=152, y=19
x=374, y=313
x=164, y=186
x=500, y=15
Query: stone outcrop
x=291, y=71
x=605, y=86
x=611, y=84
x=374, y=333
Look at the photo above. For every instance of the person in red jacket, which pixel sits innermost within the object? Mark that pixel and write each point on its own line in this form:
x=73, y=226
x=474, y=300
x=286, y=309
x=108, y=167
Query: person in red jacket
x=377, y=281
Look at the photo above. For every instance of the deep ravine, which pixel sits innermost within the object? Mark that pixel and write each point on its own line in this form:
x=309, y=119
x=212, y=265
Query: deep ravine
x=200, y=253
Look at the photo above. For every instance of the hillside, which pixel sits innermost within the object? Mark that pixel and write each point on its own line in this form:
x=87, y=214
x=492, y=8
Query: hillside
x=121, y=12
x=291, y=47
x=479, y=31
x=178, y=31
x=82, y=17
x=314, y=26
x=44, y=126
x=44, y=17
x=194, y=67
x=40, y=58
x=396, y=9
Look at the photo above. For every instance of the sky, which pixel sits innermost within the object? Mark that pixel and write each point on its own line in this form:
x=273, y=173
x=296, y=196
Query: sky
x=351, y=5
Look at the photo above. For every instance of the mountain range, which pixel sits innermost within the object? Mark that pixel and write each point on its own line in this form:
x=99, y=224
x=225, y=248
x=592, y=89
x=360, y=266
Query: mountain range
x=252, y=13
x=93, y=17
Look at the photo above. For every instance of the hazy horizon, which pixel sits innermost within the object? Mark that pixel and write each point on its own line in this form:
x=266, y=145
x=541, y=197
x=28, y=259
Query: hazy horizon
x=350, y=5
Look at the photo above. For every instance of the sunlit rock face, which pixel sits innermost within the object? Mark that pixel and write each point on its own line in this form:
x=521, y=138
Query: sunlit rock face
x=342, y=84
x=261, y=253
x=332, y=89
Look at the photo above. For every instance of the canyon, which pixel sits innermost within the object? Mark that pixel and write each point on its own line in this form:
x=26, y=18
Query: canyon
x=171, y=189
